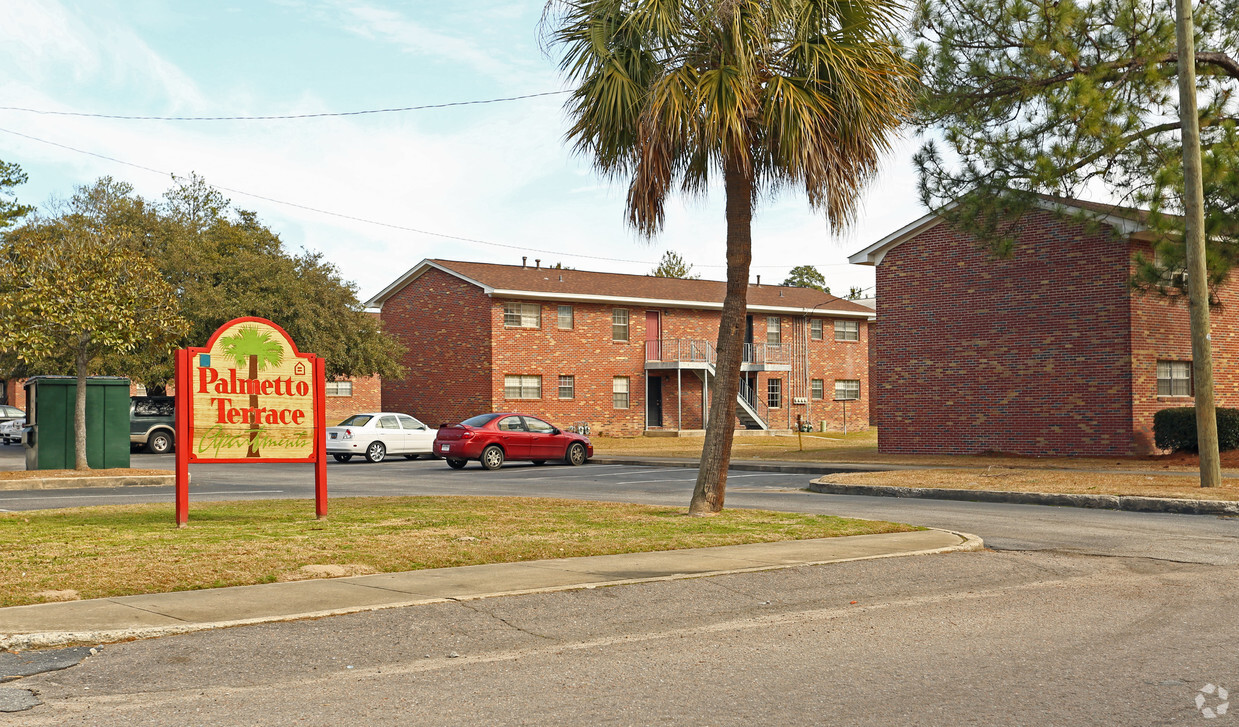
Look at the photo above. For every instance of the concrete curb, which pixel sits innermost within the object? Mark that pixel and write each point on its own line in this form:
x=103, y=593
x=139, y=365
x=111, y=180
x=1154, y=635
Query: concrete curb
x=1104, y=502
x=60, y=483
x=47, y=639
x=820, y=468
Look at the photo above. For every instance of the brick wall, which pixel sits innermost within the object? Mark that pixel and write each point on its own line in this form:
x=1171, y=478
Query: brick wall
x=15, y=393
x=1029, y=354
x=367, y=396
x=1162, y=331
x=445, y=324
x=453, y=376
x=586, y=352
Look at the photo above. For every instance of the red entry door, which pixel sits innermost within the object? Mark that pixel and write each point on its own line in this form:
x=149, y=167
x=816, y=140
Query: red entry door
x=653, y=336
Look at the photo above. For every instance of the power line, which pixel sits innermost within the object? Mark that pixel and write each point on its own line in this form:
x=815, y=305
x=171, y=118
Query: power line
x=324, y=114
x=403, y=228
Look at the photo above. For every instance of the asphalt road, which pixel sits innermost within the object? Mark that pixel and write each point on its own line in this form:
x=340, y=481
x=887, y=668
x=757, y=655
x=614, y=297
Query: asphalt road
x=1076, y=617
x=1183, y=538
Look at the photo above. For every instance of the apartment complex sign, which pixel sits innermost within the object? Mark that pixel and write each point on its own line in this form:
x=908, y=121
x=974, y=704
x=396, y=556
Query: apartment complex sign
x=249, y=396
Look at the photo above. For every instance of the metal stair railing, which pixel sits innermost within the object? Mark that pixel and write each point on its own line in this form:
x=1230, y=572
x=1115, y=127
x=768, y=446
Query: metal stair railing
x=683, y=350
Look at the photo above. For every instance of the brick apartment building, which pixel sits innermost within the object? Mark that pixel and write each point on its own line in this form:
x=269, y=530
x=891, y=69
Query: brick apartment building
x=624, y=354
x=1049, y=351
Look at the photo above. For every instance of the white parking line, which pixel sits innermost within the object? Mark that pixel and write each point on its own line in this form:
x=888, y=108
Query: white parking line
x=660, y=469
x=688, y=479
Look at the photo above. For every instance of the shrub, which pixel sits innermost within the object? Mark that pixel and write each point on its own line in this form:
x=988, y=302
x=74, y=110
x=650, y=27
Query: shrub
x=1175, y=429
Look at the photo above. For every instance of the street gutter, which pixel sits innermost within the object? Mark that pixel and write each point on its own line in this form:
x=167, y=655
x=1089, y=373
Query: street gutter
x=1104, y=502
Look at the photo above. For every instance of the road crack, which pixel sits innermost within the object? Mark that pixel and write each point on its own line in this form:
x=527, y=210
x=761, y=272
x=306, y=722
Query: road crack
x=469, y=605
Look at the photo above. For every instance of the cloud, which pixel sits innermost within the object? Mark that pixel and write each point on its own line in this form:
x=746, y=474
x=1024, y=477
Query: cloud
x=45, y=45
x=417, y=38
x=499, y=173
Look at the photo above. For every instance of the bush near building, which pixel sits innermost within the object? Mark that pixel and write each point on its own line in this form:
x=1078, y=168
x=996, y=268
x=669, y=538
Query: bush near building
x=1175, y=429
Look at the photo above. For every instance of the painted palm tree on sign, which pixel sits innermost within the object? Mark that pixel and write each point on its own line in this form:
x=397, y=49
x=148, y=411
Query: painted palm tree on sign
x=769, y=94
x=254, y=348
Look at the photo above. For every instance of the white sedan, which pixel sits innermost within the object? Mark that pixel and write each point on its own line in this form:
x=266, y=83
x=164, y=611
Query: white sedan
x=378, y=434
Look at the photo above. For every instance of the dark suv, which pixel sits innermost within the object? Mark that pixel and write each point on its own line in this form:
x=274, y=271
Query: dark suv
x=152, y=422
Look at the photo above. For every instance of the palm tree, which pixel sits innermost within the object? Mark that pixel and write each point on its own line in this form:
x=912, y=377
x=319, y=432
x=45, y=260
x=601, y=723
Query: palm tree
x=767, y=93
x=258, y=349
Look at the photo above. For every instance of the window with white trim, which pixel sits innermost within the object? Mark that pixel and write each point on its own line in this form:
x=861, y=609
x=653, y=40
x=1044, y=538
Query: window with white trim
x=817, y=388
x=847, y=389
x=774, y=393
x=522, y=315
x=567, y=386
x=619, y=324
x=619, y=392
x=522, y=386
x=847, y=330
x=774, y=331
x=1174, y=378
x=565, y=318
x=339, y=388
x=815, y=329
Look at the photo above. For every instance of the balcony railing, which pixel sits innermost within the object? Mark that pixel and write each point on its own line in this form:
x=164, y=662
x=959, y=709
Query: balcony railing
x=687, y=350
x=766, y=353
x=683, y=350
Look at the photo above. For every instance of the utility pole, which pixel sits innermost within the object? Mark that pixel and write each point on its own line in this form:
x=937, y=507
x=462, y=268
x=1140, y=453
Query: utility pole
x=1194, y=237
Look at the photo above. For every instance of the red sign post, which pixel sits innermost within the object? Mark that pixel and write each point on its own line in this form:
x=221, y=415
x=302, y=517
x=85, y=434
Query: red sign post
x=249, y=396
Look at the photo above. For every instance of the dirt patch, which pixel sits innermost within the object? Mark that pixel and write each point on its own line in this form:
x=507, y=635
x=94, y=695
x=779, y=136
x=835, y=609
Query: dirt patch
x=66, y=595
x=1008, y=479
x=327, y=570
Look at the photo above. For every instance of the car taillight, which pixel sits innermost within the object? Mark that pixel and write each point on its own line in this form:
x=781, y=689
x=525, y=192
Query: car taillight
x=348, y=434
x=467, y=434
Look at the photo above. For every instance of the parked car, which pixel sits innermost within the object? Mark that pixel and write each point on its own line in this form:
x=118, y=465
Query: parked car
x=12, y=422
x=152, y=423
x=494, y=438
x=377, y=434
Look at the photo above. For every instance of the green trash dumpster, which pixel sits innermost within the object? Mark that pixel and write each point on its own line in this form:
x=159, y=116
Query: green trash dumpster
x=50, y=401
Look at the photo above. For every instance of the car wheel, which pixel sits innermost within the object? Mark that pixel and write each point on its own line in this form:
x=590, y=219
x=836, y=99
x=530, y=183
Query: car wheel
x=342, y=457
x=492, y=457
x=456, y=463
x=376, y=452
x=160, y=442
x=576, y=454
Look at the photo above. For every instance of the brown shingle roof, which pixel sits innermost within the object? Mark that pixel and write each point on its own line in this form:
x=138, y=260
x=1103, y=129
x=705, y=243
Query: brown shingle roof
x=1128, y=213
x=574, y=284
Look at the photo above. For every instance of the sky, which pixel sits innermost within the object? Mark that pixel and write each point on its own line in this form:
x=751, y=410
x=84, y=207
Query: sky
x=374, y=193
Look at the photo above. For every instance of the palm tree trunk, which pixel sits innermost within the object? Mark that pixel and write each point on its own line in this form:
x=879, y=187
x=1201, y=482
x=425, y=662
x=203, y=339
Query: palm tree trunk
x=716, y=453
x=252, y=452
x=79, y=406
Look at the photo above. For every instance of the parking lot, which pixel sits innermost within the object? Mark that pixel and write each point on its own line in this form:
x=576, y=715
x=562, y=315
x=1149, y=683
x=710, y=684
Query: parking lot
x=398, y=476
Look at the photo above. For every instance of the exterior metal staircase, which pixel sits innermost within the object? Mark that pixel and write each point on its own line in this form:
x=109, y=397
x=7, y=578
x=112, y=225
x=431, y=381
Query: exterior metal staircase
x=749, y=410
x=699, y=357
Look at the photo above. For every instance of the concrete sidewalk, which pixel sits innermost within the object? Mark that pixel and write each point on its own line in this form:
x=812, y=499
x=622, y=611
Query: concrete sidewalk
x=129, y=617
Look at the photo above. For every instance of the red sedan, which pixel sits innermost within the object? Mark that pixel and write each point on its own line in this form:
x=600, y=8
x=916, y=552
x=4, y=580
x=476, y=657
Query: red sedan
x=493, y=438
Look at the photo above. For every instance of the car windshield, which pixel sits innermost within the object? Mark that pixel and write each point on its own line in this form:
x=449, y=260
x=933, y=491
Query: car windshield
x=357, y=420
x=480, y=420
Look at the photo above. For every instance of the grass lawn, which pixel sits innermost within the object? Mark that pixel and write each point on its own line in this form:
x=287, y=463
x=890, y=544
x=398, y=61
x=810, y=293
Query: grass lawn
x=862, y=448
x=122, y=550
